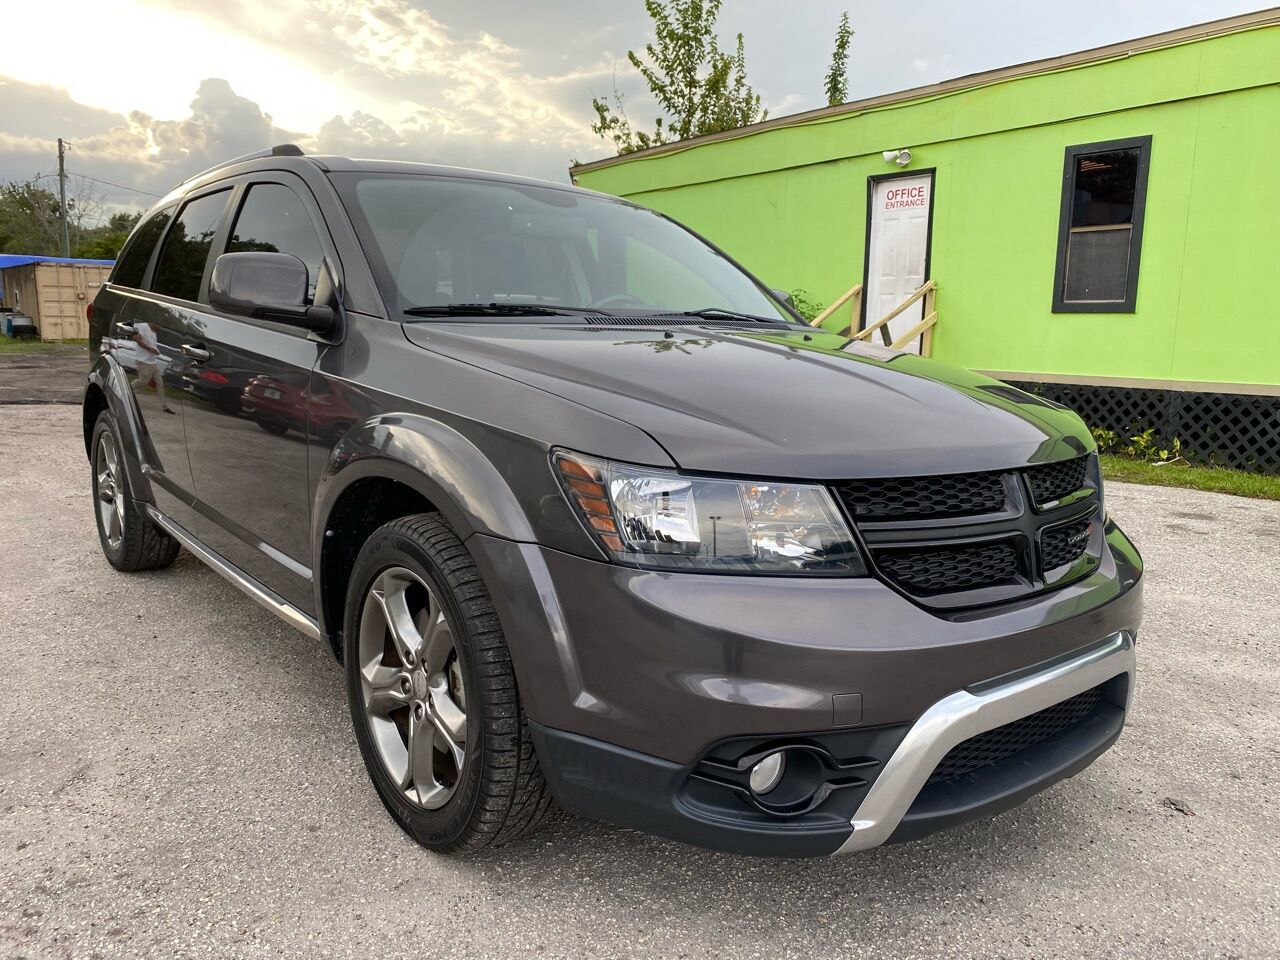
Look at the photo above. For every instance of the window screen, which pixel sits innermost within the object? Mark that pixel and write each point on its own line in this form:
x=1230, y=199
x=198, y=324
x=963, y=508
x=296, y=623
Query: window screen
x=131, y=266
x=274, y=219
x=186, y=249
x=1104, y=188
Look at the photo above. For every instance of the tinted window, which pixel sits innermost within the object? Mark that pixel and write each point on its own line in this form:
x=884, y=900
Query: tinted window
x=186, y=250
x=132, y=263
x=1105, y=184
x=273, y=218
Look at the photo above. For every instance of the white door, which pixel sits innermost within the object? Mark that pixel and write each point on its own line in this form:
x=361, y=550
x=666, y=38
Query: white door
x=899, y=249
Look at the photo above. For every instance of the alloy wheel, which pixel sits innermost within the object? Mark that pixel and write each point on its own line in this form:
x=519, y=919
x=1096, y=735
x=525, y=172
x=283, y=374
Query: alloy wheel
x=412, y=685
x=106, y=467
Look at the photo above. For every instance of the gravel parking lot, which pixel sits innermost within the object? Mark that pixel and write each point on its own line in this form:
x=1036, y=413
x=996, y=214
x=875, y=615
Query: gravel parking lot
x=178, y=777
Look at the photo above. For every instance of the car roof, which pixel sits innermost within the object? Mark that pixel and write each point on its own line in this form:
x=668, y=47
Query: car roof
x=294, y=159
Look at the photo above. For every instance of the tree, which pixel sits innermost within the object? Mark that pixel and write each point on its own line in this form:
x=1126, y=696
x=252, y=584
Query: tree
x=30, y=221
x=837, y=84
x=699, y=87
x=104, y=243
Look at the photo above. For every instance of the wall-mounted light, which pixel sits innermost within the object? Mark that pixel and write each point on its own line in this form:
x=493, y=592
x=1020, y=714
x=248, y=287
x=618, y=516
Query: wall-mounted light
x=900, y=157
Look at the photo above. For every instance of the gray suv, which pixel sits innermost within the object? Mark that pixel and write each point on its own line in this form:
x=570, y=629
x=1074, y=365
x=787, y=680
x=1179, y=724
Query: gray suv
x=585, y=512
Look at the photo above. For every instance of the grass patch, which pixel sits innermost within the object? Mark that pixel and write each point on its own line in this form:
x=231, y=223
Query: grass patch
x=1217, y=479
x=11, y=345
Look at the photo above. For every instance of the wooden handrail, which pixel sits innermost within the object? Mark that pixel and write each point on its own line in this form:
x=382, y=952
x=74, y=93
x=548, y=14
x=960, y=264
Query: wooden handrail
x=914, y=332
x=853, y=292
x=927, y=290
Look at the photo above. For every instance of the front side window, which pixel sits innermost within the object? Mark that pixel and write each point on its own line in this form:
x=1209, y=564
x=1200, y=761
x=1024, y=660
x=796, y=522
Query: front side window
x=186, y=249
x=274, y=219
x=131, y=266
x=1100, y=233
x=448, y=240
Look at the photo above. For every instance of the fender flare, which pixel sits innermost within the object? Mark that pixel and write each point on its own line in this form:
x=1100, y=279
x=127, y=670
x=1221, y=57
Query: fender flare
x=432, y=458
x=110, y=377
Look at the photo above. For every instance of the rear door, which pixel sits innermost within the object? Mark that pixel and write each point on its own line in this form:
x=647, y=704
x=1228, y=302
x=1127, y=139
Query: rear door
x=147, y=334
x=247, y=401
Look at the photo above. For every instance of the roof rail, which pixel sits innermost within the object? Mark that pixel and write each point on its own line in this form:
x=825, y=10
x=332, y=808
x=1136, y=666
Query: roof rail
x=279, y=150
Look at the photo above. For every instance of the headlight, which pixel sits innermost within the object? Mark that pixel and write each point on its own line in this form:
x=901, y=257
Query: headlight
x=663, y=519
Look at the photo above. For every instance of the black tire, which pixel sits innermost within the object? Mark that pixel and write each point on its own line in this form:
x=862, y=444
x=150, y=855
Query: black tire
x=139, y=544
x=499, y=794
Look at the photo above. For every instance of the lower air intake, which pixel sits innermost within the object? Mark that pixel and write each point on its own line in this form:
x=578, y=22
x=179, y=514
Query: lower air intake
x=994, y=745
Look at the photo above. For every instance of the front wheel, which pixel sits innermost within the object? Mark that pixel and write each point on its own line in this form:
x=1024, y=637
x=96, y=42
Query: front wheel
x=433, y=694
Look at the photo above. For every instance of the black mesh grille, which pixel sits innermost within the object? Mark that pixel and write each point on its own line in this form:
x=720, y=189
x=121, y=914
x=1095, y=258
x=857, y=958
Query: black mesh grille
x=938, y=571
x=1064, y=544
x=987, y=748
x=907, y=498
x=1053, y=481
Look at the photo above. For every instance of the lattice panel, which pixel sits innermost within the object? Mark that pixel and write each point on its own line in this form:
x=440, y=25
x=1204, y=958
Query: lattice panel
x=1225, y=429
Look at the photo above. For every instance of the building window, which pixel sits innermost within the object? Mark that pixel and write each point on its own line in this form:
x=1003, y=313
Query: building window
x=1104, y=190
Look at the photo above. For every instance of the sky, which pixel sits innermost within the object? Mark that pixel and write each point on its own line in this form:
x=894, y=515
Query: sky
x=148, y=92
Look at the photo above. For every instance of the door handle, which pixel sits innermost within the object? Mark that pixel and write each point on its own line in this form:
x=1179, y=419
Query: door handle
x=199, y=354
x=128, y=329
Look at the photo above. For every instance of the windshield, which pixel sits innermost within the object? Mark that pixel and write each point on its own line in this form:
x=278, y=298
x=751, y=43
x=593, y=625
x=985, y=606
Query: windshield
x=448, y=240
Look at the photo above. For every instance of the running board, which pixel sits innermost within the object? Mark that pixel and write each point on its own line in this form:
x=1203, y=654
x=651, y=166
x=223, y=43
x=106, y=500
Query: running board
x=267, y=597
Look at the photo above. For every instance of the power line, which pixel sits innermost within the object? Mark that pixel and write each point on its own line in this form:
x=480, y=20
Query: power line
x=112, y=183
x=36, y=179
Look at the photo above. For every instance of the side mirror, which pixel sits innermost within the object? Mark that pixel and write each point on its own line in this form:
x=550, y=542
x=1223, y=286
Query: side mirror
x=783, y=297
x=266, y=286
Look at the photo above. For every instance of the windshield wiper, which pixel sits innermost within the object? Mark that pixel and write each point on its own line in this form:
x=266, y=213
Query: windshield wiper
x=481, y=310
x=714, y=313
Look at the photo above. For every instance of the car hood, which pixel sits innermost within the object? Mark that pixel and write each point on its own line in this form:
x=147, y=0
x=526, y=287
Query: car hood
x=775, y=403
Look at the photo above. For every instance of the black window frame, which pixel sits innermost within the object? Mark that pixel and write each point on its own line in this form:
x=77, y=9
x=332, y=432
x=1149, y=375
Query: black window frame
x=1130, y=302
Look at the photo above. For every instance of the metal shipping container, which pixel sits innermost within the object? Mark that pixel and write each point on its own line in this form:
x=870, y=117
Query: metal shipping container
x=54, y=295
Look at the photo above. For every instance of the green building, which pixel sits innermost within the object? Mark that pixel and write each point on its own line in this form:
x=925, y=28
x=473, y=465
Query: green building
x=1102, y=226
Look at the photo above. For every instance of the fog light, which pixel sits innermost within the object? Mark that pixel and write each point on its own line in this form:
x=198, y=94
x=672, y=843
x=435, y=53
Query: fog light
x=766, y=774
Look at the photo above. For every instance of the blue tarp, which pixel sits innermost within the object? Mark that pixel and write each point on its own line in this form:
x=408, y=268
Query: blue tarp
x=18, y=259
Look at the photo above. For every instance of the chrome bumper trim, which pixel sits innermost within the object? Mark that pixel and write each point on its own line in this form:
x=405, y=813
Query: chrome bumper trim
x=967, y=713
x=264, y=595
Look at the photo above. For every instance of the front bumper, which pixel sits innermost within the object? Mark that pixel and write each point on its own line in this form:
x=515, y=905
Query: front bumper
x=611, y=783
x=634, y=680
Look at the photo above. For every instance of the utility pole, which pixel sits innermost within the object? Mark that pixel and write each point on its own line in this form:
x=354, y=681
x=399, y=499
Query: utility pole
x=62, y=197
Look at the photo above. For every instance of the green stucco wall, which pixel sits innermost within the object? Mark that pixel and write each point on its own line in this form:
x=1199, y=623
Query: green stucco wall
x=790, y=204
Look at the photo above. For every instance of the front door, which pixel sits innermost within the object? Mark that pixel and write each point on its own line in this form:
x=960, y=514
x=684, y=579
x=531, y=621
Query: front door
x=898, y=250
x=247, y=400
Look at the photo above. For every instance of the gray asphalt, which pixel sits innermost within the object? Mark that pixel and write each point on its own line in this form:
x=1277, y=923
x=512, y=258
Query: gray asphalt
x=54, y=375
x=178, y=778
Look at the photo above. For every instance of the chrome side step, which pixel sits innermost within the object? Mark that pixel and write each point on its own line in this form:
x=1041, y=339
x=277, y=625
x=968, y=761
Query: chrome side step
x=264, y=595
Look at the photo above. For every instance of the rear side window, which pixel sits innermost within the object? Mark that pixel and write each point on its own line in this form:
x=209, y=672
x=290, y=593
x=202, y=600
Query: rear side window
x=274, y=219
x=186, y=249
x=132, y=263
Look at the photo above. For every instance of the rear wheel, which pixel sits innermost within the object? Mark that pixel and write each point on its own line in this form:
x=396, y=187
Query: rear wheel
x=433, y=693
x=130, y=541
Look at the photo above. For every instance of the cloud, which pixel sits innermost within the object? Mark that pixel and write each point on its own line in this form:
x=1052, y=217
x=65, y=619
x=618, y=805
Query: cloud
x=410, y=69
x=153, y=154
x=412, y=87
